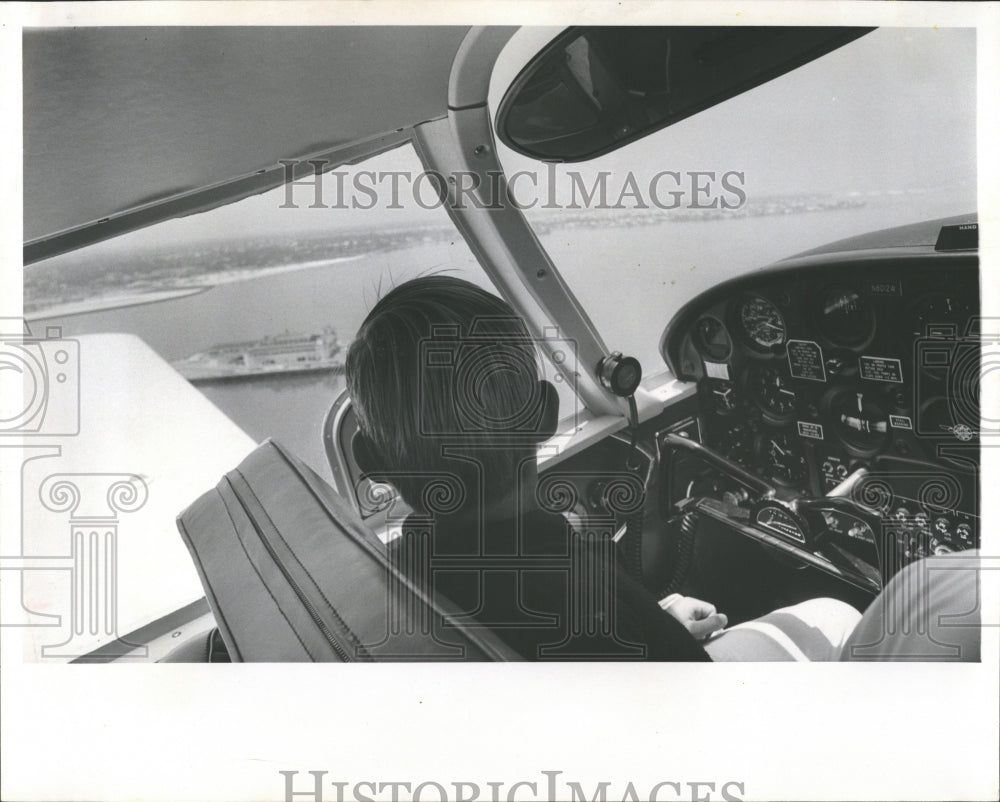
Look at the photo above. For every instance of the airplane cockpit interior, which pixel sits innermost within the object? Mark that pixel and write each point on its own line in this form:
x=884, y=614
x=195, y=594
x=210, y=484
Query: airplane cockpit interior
x=760, y=311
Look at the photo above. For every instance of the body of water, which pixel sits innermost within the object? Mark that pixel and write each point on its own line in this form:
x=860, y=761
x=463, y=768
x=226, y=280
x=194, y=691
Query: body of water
x=291, y=408
x=630, y=281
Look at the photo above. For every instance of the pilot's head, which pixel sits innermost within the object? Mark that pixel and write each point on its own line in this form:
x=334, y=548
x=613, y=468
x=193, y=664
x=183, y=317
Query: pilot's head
x=444, y=379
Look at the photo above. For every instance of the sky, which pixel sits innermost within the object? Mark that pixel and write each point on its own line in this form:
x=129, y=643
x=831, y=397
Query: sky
x=894, y=110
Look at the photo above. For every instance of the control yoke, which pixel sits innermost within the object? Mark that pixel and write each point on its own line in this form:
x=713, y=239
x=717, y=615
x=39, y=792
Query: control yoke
x=834, y=533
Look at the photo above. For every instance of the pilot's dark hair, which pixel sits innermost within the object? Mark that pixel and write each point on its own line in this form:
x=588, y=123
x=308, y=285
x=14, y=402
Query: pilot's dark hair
x=441, y=365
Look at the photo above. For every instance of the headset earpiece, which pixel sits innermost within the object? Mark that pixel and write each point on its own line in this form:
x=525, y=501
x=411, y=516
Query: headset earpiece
x=365, y=453
x=549, y=419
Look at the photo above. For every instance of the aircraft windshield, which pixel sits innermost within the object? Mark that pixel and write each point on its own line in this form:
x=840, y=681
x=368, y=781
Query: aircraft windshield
x=225, y=295
x=801, y=161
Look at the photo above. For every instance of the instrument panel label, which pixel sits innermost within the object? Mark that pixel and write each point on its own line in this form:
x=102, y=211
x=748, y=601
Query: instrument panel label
x=888, y=287
x=805, y=360
x=813, y=430
x=900, y=422
x=717, y=370
x=880, y=369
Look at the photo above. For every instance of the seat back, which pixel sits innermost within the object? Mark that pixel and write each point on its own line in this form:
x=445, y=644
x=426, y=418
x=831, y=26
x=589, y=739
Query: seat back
x=205, y=647
x=292, y=574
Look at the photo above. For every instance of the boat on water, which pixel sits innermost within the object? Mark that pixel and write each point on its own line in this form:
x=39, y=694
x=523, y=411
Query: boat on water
x=272, y=355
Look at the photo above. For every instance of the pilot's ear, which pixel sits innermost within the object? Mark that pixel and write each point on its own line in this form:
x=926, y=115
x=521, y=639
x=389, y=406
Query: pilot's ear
x=549, y=420
x=364, y=453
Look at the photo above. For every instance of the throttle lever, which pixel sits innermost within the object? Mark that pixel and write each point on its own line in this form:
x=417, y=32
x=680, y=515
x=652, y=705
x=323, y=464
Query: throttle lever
x=810, y=510
x=840, y=499
x=846, y=487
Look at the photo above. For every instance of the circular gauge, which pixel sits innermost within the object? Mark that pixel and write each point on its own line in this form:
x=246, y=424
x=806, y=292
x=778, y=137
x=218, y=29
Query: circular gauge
x=936, y=321
x=938, y=315
x=941, y=417
x=841, y=362
x=722, y=397
x=845, y=317
x=772, y=391
x=860, y=421
x=781, y=459
x=736, y=443
x=761, y=321
x=712, y=339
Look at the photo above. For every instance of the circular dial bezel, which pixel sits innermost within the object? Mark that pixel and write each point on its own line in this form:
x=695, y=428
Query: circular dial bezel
x=937, y=309
x=869, y=439
x=826, y=304
x=771, y=391
x=755, y=313
x=710, y=350
x=781, y=450
x=937, y=422
x=722, y=397
x=736, y=441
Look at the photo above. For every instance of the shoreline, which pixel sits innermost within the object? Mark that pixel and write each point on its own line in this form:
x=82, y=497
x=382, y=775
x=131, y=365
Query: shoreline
x=122, y=301
x=237, y=378
x=108, y=303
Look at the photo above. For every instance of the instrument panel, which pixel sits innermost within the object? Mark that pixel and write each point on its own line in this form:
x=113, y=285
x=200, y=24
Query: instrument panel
x=809, y=371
